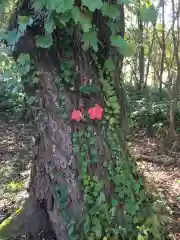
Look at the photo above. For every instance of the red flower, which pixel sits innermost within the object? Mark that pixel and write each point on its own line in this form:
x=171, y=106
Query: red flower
x=95, y=112
x=76, y=115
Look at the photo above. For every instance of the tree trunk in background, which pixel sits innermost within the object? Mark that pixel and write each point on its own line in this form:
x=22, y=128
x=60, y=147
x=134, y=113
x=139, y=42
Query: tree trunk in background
x=149, y=57
x=163, y=50
x=141, y=56
x=176, y=86
x=173, y=107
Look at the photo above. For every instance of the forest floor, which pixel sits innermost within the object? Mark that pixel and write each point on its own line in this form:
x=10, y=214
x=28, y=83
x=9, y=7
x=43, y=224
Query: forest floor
x=159, y=166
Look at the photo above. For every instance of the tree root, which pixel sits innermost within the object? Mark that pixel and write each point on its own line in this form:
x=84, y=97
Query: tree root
x=30, y=219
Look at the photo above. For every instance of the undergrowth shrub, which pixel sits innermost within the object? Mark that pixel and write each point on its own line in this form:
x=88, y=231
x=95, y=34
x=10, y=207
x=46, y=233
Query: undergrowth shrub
x=150, y=110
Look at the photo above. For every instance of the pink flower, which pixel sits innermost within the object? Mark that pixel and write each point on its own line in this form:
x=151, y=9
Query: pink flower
x=76, y=115
x=95, y=112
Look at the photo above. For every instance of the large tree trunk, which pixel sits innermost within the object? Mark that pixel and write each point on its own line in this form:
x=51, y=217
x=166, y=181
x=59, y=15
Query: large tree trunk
x=55, y=166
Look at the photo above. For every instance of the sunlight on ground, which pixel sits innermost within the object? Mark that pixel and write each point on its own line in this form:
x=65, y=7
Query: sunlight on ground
x=15, y=156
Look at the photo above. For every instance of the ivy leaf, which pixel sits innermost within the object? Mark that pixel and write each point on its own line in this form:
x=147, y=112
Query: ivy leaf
x=124, y=48
x=39, y=4
x=101, y=199
x=130, y=206
x=24, y=59
x=137, y=187
x=21, y=29
x=11, y=36
x=93, y=4
x=109, y=65
x=114, y=202
x=49, y=25
x=87, y=224
x=23, y=70
x=71, y=230
x=25, y=21
x=148, y=14
x=44, y=41
x=89, y=88
x=110, y=10
x=83, y=18
x=90, y=40
x=7, y=74
x=140, y=237
x=117, y=41
x=126, y=2
x=61, y=19
x=127, y=51
x=3, y=35
x=2, y=8
x=63, y=5
x=97, y=228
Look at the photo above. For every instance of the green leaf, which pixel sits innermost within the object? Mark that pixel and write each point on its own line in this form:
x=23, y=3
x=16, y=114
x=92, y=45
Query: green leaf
x=114, y=202
x=21, y=29
x=124, y=48
x=110, y=10
x=93, y=5
x=39, y=4
x=98, y=187
x=126, y=2
x=23, y=19
x=101, y=198
x=148, y=14
x=90, y=40
x=44, y=41
x=130, y=206
x=7, y=74
x=97, y=228
x=11, y=37
x=83, y=18
x=70, y=229
x=61, y=19
x=60, y=6
x=3, y=35
x=64, y=5
x=117, y=41
x=115, y=26
x=137, y=187
x=49, y=25
x=24, y=58
x=23, y=70
x=109, y=65
x=141, y=237
x=93, y=88
x=87, y=224
x=88, y=198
